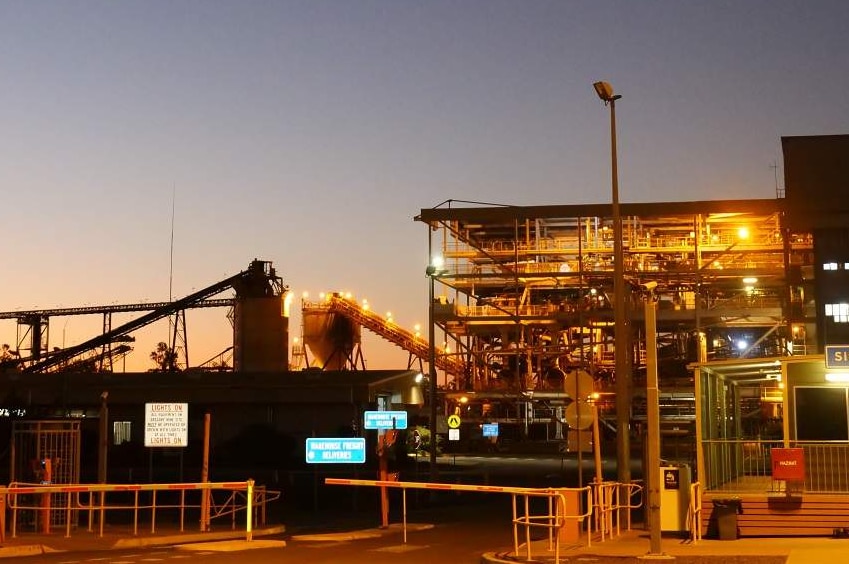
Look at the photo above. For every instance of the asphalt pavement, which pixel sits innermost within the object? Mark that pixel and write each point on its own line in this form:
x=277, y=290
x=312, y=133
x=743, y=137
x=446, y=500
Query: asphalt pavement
x=629, y=546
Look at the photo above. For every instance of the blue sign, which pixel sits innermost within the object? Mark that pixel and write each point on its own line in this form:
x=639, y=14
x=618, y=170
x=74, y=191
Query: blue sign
x=490, y=429
x=385, y=420
x=837, y=356
x=341, y=451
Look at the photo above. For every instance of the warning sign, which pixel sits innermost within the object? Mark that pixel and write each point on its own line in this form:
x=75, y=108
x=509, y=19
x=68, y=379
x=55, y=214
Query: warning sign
x=166, y=424
x=788, y=464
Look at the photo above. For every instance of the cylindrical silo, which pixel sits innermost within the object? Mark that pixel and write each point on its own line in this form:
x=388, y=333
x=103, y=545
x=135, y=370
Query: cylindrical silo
x=260, y=335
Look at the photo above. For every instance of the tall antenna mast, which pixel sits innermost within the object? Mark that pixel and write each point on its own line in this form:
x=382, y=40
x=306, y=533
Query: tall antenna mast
x=778, y=191
x=172, y=322
x=171, y=268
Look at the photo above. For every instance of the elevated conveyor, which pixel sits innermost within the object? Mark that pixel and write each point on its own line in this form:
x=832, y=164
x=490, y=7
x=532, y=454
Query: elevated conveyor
x=386, y=329
x=257, y=280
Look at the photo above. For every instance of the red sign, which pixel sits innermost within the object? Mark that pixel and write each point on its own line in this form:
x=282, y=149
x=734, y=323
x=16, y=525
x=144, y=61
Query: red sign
x=788, y=464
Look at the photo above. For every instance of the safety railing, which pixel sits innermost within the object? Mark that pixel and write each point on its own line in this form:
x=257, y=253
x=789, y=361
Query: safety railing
x=558, y=513
x=553, y=521
x=694, y=512
x=97, y=501
x=746, y=465
x=738, y=464
x=826, y=466
x=610, y=501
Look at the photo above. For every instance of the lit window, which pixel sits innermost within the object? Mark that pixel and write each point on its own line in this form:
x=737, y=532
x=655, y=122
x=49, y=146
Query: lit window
x=838, y=312
x=122, y=432
x=829, y=266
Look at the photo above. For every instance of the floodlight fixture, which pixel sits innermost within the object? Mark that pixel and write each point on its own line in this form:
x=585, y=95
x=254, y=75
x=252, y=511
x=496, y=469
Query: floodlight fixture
x=605, y=91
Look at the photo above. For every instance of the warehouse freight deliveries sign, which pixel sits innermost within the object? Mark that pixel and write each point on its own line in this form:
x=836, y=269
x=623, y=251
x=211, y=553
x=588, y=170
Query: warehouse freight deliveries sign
x=166, y=424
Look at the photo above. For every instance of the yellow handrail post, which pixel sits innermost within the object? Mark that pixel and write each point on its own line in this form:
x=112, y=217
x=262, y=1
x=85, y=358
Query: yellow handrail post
x=14, y=515
x=404, y=512
x=515, y=527
x=249, y=533
x=90, y=512
x=3, y=517
x=527, y=525
x=68, y=516
x=102, y=513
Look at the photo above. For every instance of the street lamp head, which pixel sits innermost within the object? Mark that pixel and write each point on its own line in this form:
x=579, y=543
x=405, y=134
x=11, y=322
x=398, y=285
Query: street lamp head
x=605, y=91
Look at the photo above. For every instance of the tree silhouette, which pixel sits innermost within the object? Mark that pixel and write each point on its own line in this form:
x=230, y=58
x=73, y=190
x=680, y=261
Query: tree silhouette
x=164, y=357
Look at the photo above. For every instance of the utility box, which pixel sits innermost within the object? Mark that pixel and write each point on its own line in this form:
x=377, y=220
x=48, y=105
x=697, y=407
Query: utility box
x=674, y=498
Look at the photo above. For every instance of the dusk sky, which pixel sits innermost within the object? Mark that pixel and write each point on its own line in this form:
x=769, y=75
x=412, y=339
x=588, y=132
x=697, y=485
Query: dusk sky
x=310, y=133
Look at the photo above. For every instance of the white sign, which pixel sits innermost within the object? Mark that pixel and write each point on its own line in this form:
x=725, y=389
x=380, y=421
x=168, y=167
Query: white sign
x=385, y=420
x=453, y=434
x=166, y=424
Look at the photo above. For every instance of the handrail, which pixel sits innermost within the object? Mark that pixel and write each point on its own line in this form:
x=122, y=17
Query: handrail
x=553, y=521
x=91, y=498
x=694, y=512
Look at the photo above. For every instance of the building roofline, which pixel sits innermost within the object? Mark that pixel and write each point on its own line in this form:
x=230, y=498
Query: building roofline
x=510, y=213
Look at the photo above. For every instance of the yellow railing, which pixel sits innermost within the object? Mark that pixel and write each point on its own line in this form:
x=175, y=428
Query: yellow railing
x=96, y=501
x=694, y=512
x=558, y=512
x=609, y=506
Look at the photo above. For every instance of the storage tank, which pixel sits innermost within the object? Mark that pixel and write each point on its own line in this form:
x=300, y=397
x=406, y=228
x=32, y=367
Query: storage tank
x=331, y=338
x=260, y=324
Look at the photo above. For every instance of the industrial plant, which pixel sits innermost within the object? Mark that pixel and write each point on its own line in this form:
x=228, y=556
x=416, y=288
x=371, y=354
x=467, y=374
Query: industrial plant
x=536, y=325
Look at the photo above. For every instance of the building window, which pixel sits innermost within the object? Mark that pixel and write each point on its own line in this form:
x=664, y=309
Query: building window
x=122, y=432
x=829, y=266
x=839, y=312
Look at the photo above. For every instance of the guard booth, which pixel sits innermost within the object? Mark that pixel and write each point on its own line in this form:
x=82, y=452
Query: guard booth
x=773, y=438
x=674, y=498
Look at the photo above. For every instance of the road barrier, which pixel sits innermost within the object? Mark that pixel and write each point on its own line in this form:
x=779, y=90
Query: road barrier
x=563, y=506
x=98, y=500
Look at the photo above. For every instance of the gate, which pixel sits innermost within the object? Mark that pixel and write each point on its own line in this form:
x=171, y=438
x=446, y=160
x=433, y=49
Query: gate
x=46, y=452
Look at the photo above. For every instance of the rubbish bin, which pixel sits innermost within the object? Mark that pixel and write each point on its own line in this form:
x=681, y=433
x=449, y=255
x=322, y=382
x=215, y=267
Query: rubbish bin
x=725, y=513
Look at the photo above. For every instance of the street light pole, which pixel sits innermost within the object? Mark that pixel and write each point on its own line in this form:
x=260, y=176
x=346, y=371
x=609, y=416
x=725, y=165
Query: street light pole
x=653, y=405
x=431, y=370
x=620, y=319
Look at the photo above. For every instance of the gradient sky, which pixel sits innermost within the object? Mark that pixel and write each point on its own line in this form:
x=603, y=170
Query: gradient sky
x=310, y=133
